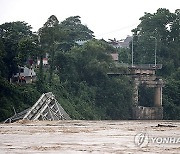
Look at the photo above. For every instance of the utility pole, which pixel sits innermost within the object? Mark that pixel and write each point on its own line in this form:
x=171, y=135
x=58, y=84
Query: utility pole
x=132, y=53
x=155, y=54
x=155, y=51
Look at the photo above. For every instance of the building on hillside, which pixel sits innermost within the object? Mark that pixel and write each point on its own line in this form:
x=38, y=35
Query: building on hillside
x=121, y=43
x=115, y=56
x=81, y=42
x=45, y=62
x=25, y=75
x=115, y=43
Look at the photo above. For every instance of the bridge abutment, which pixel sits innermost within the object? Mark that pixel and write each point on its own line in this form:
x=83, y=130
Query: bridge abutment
x=147, y=77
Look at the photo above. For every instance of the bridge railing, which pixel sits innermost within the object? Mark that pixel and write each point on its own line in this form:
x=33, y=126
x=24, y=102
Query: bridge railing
x=141, y=66
x=146, y=66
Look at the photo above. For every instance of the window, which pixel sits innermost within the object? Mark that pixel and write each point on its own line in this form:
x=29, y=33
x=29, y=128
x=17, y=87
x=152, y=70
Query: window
x=22, y=70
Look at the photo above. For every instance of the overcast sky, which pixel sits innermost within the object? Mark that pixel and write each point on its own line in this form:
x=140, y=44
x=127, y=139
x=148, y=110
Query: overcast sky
x=107, y=18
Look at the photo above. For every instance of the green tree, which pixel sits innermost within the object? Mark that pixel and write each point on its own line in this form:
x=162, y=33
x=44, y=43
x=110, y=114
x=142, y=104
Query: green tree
x=161, y=26
x=49, y=36
x=11, y=35
x=28, y=48
x=2, y=55
x=76, y=30
x=124, y=55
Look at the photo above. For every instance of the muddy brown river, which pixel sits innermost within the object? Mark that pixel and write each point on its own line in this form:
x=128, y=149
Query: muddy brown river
x=79, y=137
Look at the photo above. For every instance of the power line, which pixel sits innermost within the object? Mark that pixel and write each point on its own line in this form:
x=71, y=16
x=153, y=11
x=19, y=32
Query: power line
x=117, y=30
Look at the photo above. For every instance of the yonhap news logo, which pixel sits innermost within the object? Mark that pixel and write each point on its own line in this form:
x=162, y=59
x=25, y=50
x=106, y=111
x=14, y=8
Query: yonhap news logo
x=143, y=139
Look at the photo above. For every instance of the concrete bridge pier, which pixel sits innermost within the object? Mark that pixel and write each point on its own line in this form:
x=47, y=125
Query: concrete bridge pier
x=158, y=96
x=136, y=93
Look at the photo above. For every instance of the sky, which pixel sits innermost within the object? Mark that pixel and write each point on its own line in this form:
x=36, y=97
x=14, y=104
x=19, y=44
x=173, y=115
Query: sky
x=108, y=19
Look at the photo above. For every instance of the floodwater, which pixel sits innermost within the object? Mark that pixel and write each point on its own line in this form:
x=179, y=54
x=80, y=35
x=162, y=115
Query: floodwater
x=76, y=136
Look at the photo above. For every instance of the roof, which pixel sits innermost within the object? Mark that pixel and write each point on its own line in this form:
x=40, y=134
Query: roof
x=26, y=72
x=121, y=44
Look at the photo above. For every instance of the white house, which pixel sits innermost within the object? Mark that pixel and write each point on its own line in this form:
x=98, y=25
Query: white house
x=25, y=74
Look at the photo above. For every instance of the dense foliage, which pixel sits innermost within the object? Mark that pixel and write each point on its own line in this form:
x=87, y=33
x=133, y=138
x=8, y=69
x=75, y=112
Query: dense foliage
x=77, y=74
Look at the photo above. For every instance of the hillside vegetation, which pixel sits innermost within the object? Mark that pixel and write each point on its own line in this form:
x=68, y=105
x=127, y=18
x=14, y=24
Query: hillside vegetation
x=77, y=74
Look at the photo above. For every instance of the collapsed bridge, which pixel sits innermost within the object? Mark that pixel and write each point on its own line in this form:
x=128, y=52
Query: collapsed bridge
x=46, y=108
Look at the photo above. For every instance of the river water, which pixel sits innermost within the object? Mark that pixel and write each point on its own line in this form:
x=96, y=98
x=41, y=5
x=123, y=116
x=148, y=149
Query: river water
x=76, y=136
